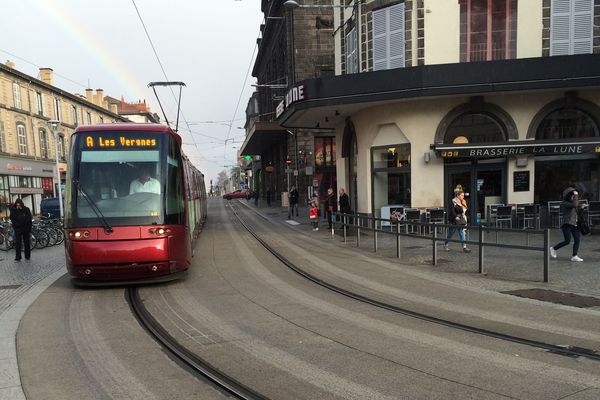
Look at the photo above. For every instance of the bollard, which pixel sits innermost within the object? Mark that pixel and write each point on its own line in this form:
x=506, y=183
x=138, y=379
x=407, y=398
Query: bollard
x=434, y=261
x=374, y=235
x=344, y=222
x=398, y=240
x=358, y=236
x=480, y=244
x=546, y=255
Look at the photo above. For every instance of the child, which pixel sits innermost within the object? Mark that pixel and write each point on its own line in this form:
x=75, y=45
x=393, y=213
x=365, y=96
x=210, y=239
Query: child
x=314, y=216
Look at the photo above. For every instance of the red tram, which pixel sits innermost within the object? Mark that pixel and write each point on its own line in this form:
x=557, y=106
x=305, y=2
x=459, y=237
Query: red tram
x=134, y=205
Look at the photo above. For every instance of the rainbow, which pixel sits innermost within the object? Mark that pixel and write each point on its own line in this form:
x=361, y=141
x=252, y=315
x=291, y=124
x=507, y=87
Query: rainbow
x=99, y=51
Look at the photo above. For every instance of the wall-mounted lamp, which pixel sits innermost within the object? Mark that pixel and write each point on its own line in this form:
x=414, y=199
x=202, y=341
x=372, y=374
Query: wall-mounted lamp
x=427, y=157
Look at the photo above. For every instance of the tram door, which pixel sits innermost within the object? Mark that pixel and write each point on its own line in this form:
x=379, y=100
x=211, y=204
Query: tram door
x=483, y=184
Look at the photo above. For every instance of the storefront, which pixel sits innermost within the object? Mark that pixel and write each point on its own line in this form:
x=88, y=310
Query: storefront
x=510, y=132
x=29, y=180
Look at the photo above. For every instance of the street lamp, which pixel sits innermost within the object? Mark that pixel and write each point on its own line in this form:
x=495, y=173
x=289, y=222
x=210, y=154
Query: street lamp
x=54, y=125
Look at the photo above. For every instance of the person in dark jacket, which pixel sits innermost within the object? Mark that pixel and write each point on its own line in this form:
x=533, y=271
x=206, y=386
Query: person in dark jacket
x=331, y=207
x=294, y=197
x=568, y=210
x=20, y=217
x=457, y=220
x=344, y=202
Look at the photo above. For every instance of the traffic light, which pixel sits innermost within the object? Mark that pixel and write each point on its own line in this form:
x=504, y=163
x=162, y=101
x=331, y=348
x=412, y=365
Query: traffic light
x=288, y=162
x=248, y=158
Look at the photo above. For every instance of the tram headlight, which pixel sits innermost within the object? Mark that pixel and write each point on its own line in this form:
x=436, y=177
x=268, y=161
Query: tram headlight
x=79, y=234
x=159, y=231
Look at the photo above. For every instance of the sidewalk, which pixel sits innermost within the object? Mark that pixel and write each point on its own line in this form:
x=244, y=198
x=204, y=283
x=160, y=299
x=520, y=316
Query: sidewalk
x=505, y=269
x=21, y=282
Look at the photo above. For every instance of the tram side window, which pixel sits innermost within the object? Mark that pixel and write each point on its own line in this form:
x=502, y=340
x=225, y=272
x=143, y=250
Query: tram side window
x=175, y=195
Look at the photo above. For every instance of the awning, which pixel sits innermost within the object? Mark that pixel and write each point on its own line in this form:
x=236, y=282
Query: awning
x=262, y=136
x=519, y=148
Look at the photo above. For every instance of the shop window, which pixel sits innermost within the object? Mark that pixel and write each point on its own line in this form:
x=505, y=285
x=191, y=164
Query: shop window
x=474, y=128
x=488, y=30
x=388, y=37
x=22, y=139
x=325, y=151
x=391, y=179
x=571, y=27
x=567, y=123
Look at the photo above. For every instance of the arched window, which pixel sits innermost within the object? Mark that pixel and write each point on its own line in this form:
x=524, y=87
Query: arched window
x=567, y=123
x=474, y=128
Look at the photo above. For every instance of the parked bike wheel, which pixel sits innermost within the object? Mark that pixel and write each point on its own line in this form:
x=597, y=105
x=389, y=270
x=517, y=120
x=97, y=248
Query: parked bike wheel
x=40, y=238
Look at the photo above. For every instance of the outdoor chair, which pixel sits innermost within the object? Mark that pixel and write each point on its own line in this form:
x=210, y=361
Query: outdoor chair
x=504, y=216
x=412, y=215
x=554, y=213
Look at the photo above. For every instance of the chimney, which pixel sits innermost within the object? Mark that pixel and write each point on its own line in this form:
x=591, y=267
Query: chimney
x=89, y=95
x=47, y=75
x=10, y=64
x=99, y=97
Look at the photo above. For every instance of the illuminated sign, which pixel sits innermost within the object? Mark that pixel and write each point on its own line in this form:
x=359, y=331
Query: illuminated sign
x=121, y=141
x=516, y=149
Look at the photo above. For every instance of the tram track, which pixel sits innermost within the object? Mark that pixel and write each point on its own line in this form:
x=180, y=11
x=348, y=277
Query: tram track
x=569, y=351
x=197, y=365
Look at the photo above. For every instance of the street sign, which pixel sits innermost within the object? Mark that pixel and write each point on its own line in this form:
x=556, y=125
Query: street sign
x=288, y=170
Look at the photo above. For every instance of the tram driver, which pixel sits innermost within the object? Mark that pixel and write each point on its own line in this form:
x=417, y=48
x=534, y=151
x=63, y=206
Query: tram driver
x=145, y=183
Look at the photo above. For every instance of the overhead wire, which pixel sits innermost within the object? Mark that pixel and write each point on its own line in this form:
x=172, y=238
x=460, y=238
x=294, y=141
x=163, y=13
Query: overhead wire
x=162, y=68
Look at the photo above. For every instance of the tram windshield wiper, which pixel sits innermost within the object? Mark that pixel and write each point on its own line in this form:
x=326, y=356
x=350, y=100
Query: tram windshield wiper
x=94, y=207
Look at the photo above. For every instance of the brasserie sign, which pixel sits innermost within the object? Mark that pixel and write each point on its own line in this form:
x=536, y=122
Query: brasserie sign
x=515, y=149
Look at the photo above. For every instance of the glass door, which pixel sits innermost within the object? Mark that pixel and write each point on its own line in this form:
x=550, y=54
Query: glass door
x=483, y=184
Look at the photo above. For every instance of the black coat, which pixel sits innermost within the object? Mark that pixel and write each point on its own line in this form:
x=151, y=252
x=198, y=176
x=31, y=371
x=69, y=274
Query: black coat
x=21, y=218
x=331, y=203
x=345, y=204
x=294, y=197
x=455, y=210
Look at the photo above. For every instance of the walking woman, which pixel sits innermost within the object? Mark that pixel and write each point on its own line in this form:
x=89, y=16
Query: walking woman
x=20, y=217
x=568, y=210
x=457, y=220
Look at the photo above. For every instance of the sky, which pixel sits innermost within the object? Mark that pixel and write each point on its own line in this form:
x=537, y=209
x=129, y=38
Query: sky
x=210, y=45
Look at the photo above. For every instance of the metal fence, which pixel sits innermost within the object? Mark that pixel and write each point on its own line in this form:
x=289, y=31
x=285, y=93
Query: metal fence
x=487, y=236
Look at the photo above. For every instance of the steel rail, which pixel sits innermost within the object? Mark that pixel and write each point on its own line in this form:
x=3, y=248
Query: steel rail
x=570, y=351
x=191, y=360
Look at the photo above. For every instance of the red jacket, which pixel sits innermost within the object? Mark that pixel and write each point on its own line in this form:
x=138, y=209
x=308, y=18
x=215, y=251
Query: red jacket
x=313, y=213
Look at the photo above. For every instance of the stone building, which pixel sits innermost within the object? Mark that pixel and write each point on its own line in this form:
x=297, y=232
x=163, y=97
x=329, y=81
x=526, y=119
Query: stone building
x=501, y=97
x=27, y=145
x=294, y=45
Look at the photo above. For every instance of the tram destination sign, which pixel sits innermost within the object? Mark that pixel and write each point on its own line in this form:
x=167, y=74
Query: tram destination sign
x=111, y=141
x=516, y=149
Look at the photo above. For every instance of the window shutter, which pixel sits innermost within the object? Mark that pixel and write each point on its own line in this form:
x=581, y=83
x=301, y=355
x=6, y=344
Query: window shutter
x=388, y=37
x=351, y=64
x=380, y=39
x=396, y=36
x=583, y=14
x=571, y=27
x=560, y=11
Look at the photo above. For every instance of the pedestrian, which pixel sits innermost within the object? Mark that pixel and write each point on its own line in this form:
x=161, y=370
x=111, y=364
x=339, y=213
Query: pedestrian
x=344, y=202
x=457, y=220
x=294, y=196
x=20, y=217
x=331, y=207
x=568, y=210
x=256, y=194
x=268, y=197
x=313, y=214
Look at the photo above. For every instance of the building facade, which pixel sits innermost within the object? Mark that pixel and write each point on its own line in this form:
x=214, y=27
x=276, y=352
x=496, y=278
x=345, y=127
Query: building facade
x=27, y=145
x=294, y=45
x=500, y=97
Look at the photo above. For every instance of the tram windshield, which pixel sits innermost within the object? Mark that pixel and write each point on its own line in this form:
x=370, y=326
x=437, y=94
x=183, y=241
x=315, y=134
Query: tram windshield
x=120, y=178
